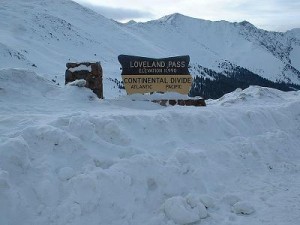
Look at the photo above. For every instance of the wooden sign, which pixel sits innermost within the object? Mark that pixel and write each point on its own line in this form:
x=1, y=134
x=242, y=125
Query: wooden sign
x=145, y=75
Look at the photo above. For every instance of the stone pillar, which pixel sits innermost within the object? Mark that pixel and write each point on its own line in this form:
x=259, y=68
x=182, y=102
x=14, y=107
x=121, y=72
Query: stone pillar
x=91, y=72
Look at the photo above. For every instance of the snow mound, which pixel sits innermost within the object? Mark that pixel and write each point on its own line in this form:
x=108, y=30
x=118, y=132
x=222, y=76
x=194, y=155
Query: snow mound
x=25, y=87
x=155, y=96
x=184, y=210
x=231, y=199
x=195, y=202
x=244, y=208
x=19, y=82
x=78, y=83
x=66, y=173
x=65, y=159
x=251, y=95
x=207, y=201
x=14, y=156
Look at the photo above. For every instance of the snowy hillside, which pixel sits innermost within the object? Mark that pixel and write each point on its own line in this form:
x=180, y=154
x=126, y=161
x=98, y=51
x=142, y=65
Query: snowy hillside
x=66, y=160
x=44, y=35
x=211, y=43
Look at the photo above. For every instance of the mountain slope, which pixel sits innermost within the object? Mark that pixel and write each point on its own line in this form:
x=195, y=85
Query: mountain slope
x=210, y=43
x=53, y=32
x=44, y=35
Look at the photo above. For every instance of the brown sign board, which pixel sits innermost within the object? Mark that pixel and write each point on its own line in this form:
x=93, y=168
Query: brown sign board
x=145, y=75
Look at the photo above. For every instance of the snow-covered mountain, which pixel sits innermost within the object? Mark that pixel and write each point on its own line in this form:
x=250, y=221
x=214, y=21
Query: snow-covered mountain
x=44, y=35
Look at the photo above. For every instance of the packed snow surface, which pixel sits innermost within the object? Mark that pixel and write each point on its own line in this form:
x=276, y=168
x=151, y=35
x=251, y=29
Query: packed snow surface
x=67, y=157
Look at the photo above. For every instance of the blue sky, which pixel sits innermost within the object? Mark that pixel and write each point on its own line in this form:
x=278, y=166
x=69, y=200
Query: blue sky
x=276, y=15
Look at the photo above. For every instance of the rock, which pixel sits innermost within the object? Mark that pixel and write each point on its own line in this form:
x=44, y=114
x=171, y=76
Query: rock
x=90, y=72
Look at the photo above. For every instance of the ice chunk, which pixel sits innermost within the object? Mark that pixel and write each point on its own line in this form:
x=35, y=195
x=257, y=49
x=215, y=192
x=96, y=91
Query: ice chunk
x=243, y=208
x=178, y=210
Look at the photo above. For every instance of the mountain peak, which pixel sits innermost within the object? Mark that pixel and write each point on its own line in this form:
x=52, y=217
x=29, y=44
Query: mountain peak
x=172, y=17
x=246, y=23
x=175, y=15
x=131, y=22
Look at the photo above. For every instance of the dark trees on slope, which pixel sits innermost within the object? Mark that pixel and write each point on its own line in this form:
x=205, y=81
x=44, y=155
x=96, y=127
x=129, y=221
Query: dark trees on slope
x=237, y=78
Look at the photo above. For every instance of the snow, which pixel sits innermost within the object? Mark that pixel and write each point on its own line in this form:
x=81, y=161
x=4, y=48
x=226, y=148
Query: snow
x=67, y=157
x=66, y=173
x=243, y=208
x=178, y=210
x=156, y=96
x=78, y=83
x=80, y=68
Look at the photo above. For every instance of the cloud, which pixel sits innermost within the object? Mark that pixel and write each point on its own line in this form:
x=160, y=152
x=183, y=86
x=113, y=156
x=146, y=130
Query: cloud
x=118, y=13
x=279, y=15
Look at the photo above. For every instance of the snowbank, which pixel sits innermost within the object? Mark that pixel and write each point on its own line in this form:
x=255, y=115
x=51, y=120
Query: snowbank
x=155, y=96
x=69, y=158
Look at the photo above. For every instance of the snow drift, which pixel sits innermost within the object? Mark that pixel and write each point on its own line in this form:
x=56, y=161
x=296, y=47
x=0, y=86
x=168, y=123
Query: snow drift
x=67, y=157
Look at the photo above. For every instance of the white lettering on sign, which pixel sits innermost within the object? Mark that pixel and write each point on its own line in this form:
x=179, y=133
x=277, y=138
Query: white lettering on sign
x=177, y=64
x=156, y=64
x=181, y=80
x=147, y=64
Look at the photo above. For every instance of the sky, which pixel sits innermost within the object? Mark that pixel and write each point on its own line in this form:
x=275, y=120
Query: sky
x=275, y=15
